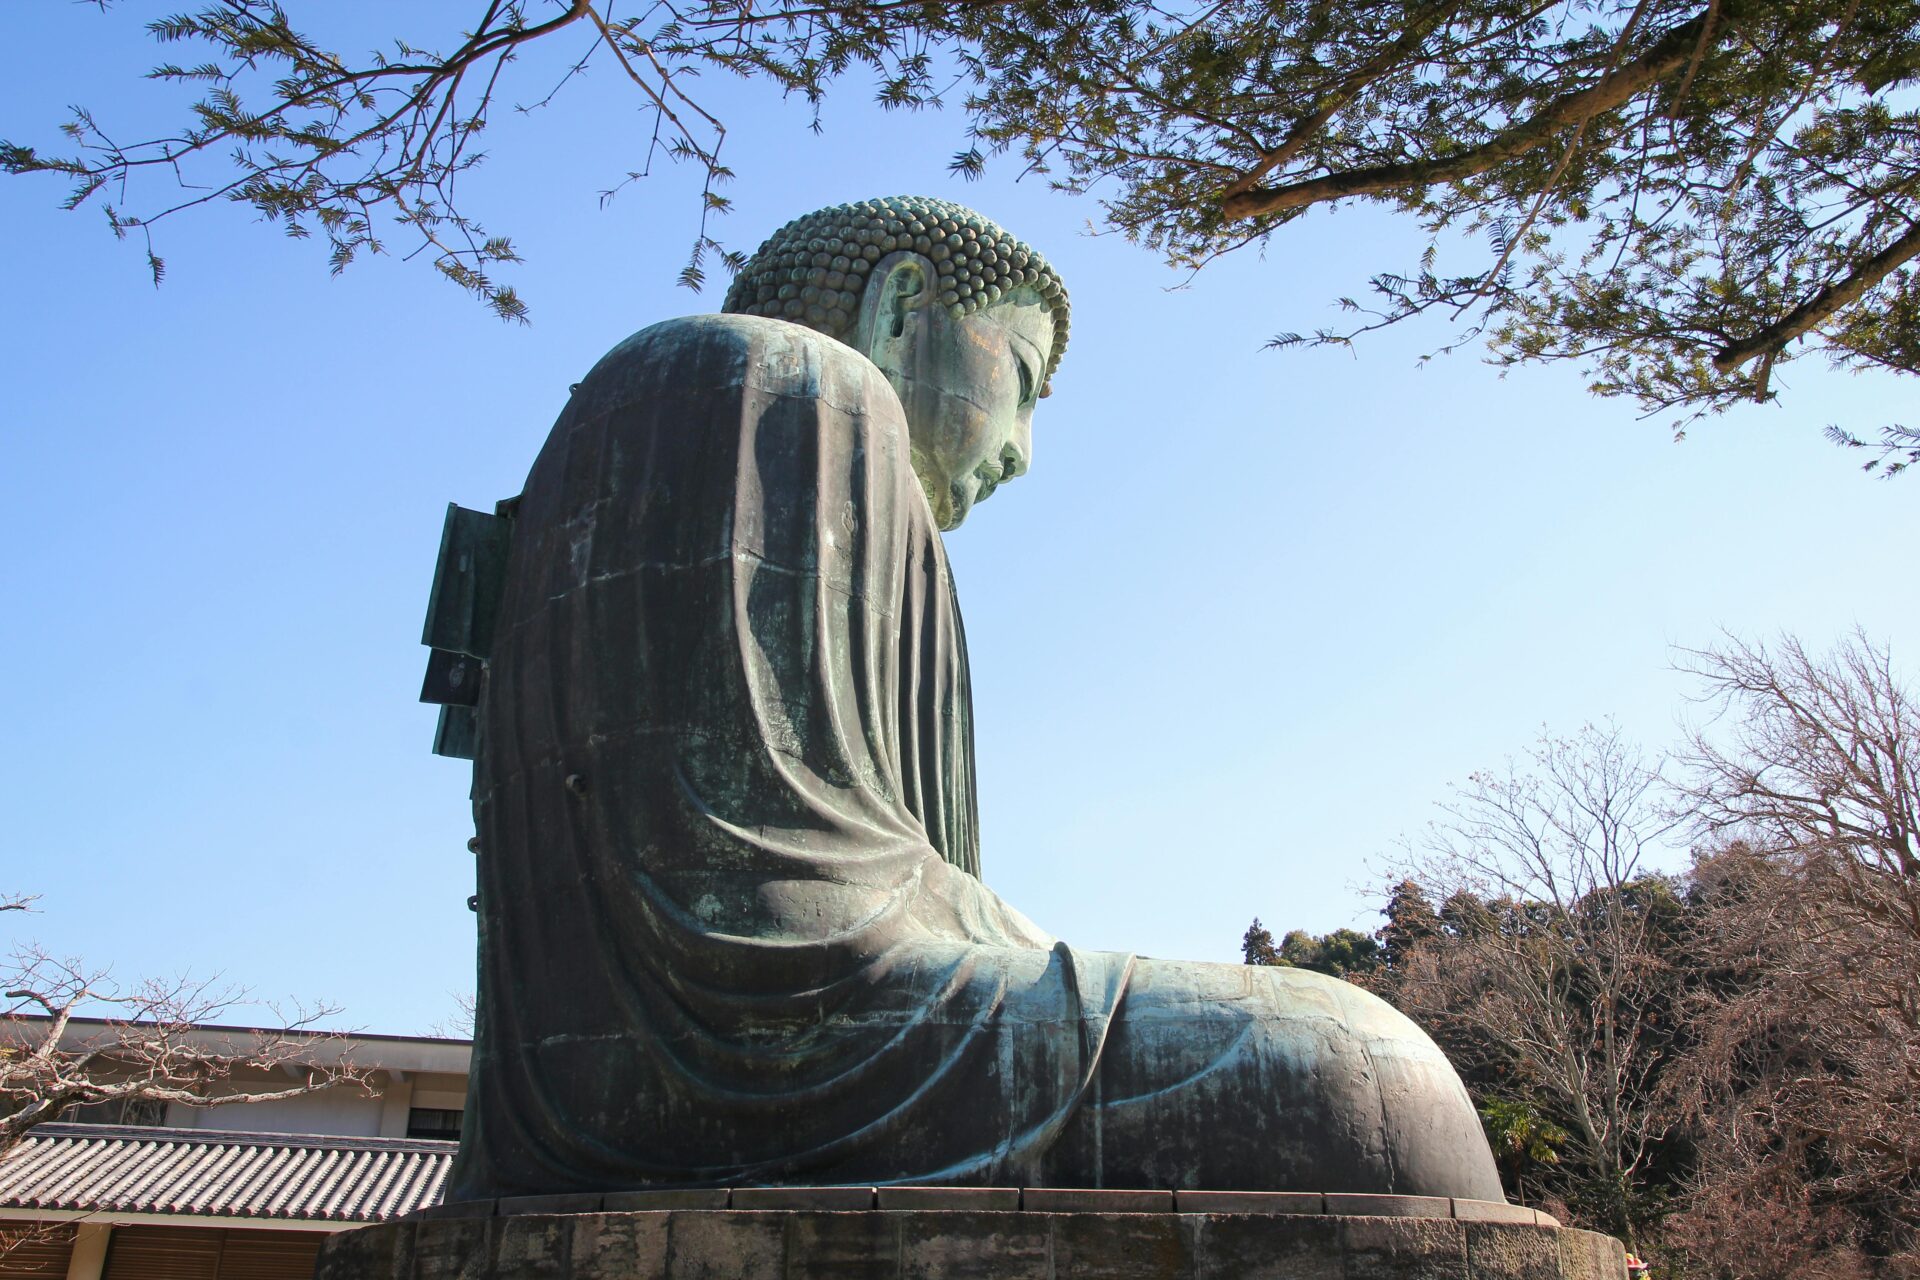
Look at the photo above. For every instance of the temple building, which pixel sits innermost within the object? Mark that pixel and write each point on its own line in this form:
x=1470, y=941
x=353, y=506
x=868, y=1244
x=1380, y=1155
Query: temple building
x=150, y=1191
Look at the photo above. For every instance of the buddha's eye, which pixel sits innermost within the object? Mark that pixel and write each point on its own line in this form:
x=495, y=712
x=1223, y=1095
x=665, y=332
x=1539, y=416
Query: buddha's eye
x=1026, y=379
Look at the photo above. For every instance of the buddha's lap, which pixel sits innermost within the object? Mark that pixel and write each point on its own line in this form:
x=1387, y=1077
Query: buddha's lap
x=1237, y=1077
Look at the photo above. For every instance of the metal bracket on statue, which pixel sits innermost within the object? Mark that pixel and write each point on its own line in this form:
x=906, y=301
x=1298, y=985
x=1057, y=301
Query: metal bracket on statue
x=467, y=581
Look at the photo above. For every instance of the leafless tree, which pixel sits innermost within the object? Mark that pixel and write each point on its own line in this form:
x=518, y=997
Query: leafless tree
x=1807, y=1073
x=1550, y=966
x=18, y=1237
x=71, y=1036
x=457, y=1025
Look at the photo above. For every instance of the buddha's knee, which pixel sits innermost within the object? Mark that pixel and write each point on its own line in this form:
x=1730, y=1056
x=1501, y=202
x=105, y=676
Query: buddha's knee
x=1231, y=1076
x=1383, y=1084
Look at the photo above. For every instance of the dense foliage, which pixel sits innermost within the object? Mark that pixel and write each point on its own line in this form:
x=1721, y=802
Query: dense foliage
x=1674, y=193
x=1681, y=195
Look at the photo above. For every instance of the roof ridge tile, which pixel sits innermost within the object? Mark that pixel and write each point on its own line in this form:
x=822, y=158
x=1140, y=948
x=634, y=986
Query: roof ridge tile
x=236, y=1137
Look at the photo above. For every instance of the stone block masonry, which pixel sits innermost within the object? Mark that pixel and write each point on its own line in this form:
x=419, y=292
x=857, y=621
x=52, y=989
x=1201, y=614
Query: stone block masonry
x=1265, y=1243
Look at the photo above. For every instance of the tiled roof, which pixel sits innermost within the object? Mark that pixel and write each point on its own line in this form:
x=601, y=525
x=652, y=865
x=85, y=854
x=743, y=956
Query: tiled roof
x=307, y=1177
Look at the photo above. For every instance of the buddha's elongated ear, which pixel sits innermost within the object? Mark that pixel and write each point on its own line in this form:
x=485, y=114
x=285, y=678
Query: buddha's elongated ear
x=898, y=284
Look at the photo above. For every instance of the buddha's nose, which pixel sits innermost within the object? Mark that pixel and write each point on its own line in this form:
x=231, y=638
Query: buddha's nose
x=1015, y=452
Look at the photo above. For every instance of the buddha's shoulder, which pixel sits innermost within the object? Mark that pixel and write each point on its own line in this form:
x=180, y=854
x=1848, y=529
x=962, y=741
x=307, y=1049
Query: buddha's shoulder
x=712, y=352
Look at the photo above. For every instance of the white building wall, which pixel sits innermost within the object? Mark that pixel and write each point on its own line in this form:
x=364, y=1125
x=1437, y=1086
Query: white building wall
x=343, y=1113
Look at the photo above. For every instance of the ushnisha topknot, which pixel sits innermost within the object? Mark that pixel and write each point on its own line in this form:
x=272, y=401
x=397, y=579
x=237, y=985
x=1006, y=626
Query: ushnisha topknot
x=812, y=270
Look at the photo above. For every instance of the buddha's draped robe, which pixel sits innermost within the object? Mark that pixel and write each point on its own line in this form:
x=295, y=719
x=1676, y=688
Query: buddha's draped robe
x=749, y=945
x=731, y=925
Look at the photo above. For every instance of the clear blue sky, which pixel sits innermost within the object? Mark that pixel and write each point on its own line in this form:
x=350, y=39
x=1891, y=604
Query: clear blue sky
x=1236, y=632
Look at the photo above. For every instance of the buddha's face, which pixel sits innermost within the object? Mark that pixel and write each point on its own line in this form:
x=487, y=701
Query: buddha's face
x=969, y=387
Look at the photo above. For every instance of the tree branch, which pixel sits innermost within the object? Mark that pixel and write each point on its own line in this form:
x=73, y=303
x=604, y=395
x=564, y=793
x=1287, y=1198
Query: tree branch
x=1304, y=128
x=1814, y=311
x=1668, y=56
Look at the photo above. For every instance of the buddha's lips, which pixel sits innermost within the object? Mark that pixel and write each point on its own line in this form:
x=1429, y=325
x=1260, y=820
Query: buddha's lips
x=991, y=476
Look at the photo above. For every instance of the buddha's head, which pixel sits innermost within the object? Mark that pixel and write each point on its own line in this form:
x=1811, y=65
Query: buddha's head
x=967, y=323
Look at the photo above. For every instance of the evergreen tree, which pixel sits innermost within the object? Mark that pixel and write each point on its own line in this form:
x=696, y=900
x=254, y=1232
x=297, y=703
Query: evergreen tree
x=1256, y=945
x=1682, y=196
x=1411, y=921
x=1343, y=953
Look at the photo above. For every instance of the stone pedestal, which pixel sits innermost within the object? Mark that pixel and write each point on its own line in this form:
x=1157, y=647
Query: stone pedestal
x=931, y=1233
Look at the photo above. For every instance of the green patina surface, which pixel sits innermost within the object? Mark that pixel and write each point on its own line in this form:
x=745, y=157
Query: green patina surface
x=732, y=925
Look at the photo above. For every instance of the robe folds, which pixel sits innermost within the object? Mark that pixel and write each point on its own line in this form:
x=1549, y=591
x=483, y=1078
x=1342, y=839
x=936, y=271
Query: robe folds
x=732, y=929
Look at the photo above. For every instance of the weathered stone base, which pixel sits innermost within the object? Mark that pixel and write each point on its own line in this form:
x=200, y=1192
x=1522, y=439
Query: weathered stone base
x=964, y=1244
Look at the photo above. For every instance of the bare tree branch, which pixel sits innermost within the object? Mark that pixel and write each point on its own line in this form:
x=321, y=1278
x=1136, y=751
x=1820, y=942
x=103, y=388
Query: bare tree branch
x=75, y=1038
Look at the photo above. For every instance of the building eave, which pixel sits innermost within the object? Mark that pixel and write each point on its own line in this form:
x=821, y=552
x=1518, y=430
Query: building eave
x=111, y=1173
